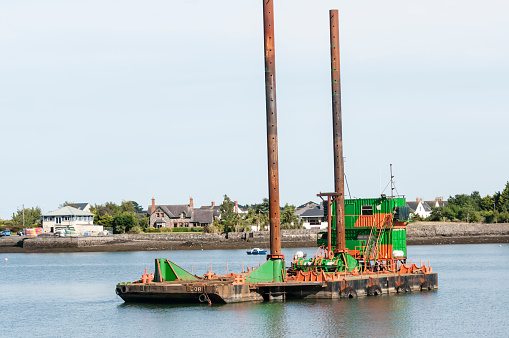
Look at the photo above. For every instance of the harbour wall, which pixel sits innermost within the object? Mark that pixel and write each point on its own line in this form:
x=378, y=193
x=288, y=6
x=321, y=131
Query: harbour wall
x=418, y=233
x=456, y=233
x=170, y=241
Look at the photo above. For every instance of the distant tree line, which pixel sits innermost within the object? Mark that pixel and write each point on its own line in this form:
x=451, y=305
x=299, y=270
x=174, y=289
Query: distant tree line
x=475, y=209
x=126, y=217
x=257, y=215
x=32, y=216
x=123, y=218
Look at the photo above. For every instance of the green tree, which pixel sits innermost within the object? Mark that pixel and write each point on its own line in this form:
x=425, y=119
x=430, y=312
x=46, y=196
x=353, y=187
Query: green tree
x=31, y=216
x=437, y=214
x=504, y=199
x=263, y=208
x=415, y=217
x=100, y=210
x=123, y=222
x=487, y=203
x=488, y=216
x=230, y=219
x=460, y=200
x=104, y=220
x=137, y=207
x=475, y=200
x=503, y=217
x=255, y=216
x=126, y=206
x=448, y=213
x=288, y=218
x=112, y=208
x=143, y=222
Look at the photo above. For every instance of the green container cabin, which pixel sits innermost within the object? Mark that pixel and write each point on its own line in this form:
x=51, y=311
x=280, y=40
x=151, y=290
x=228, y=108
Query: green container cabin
x=374, y=227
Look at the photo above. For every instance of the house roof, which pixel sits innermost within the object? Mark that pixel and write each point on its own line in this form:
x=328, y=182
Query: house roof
x=412, y=205
x=174, y=210
x=299, y=211
x=80, y=206
x=202, y=216
x=307, y=204
x=243, y=208
x=431, y=203
x=426, y=206
x=68, y=211
x=314, y=212
x=443, y=203
x=215, y=208
x=437, y=203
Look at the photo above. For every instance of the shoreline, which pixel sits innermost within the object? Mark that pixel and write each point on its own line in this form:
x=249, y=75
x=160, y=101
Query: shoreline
x=418, y=233
x=237, y=246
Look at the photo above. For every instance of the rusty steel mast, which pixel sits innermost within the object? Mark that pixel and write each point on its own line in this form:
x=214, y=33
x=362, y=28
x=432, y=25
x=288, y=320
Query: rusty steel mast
x=339, y=170
x=272, y=154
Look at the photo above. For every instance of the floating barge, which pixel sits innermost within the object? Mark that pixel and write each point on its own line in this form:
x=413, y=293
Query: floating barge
x=362, y=253
x=234, y=288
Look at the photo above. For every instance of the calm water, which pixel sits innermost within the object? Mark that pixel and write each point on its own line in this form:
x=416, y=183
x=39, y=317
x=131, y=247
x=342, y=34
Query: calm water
x=72, y=295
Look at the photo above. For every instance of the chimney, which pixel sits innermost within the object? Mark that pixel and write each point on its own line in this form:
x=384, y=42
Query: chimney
x=191, y=205
x=213, y=203
x=417, y=199
x=153, y=205
x=236, y=206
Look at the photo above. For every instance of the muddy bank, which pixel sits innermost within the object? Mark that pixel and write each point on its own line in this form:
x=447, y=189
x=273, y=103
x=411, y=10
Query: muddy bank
x=418, y=233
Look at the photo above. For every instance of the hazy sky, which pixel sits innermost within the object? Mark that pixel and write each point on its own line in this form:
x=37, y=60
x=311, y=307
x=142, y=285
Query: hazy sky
x=110, y=100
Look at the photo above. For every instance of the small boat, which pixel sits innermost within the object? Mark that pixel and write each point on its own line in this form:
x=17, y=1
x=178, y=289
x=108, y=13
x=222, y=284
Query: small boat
x=256, y=251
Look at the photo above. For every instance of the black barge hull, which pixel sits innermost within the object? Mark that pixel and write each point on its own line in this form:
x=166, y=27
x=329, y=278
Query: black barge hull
x=204, y=291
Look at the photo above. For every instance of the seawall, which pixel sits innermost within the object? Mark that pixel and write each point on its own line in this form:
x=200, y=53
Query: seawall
x=417, y=233
x=456, y=233
x=169, y=241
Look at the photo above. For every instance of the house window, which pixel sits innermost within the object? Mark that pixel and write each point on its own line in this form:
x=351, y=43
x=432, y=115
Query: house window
x=187, y=225
x=366, y=210
x=314, y=221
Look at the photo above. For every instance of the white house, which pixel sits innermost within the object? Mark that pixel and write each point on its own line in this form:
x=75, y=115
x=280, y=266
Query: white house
x=70, y=218
x=313, y=218
x=420, y=207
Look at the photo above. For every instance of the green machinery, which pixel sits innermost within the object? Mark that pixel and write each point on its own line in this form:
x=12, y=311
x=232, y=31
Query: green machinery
x=375, y=237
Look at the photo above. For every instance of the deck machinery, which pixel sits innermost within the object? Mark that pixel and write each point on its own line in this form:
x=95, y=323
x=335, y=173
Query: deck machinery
x=363, y=252
x=375, y=237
